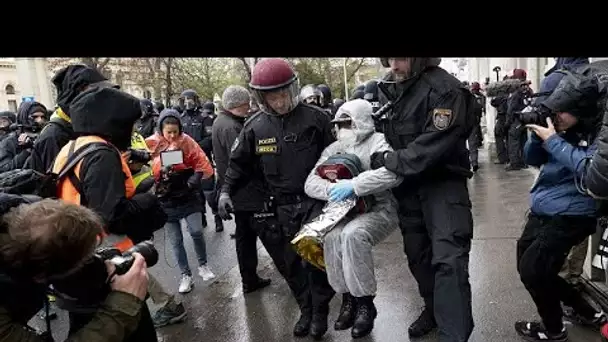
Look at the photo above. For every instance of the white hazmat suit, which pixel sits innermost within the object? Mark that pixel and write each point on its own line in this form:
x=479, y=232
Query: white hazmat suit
x=348, y=246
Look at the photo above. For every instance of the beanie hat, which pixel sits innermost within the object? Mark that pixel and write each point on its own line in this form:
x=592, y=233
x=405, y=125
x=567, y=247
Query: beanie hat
x=235, y=96
x=520, y=74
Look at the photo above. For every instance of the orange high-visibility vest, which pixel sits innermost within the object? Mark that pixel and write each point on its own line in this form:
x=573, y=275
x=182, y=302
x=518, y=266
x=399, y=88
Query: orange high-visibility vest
x=68, y=192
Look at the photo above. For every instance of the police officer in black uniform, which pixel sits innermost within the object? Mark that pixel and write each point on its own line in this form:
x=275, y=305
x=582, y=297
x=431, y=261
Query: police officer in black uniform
x=197, y=122
x=284, y=141
x=428, y=126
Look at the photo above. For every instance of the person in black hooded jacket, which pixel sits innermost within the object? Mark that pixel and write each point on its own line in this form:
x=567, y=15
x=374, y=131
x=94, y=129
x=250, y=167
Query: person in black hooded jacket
x=7, y=118
x=16, y=148
x=69, y=82
x=110, y=114
x=146, y=124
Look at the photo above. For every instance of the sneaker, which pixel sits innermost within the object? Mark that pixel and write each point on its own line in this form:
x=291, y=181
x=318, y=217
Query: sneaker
x=171, y=313
x=535, y=331
x=598, y=320
x=205, y=272
x=185, y=285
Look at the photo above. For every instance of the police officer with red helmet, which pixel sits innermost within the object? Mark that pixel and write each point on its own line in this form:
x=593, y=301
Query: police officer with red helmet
x=283, y=142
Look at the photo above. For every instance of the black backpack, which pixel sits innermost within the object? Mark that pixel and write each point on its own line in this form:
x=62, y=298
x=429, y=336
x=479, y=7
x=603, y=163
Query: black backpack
x=32, y=182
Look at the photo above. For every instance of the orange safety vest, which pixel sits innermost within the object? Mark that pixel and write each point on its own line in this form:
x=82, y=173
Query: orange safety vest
x=68, y=192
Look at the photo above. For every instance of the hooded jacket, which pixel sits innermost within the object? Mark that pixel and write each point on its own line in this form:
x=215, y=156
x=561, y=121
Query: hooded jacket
x=12, y=155
x=145, y=125
x=110, y=114
x=194, y=158
x=371, y=182
x=69, y=82
x=552, y=78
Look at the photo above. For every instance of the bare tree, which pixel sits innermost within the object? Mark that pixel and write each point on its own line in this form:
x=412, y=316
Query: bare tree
x=98, y=63
x=248, y=67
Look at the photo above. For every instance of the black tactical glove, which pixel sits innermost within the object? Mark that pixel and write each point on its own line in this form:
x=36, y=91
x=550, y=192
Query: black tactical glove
x=225, y=206
x=194, y=181
x=378, y=159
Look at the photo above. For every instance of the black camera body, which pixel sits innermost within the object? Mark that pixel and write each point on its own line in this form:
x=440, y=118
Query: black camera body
x=535, y=115
x=30, y=130
x=86, y=289
x=139, y=156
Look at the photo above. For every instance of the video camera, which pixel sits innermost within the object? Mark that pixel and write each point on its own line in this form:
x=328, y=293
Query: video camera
x=29, y=130
x=86, y=289
x=536, y=115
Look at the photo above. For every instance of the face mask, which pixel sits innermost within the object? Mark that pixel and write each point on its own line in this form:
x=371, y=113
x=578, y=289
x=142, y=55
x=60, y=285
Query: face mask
x=347, y=136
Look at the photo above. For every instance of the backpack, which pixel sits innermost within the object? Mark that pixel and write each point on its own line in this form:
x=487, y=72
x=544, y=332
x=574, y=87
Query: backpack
x=345, y=166
x=32, y=182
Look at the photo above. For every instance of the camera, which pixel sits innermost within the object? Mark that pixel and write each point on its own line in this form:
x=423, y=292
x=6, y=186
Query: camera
x=29, y=130
x=123, y=261
x=535, y=115
x=139, y=156
x=85, y=290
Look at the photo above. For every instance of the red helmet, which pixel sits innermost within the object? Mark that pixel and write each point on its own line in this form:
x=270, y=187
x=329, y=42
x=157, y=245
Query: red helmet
x=270, y=75
x=475, y=86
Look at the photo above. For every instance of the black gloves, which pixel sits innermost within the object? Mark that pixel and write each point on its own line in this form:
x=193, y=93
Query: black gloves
x=194, y=181
x=225, y=206
x=378, y=159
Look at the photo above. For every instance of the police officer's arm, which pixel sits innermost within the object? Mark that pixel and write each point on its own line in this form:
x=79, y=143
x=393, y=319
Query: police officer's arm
x=103, y=183
x=315, y=186
x=445, y=126
x=113, y=322
x=242, y=158
x=328, y=134
x=378, y=180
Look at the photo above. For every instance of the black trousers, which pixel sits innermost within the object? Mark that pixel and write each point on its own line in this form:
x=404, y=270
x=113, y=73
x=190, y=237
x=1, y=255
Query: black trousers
x=500, y=136
x=245, y=238
x=437, y=227
x=307, y=283
x=541, y=252
x=145, y=330
x=517, y=140
x=474, y=144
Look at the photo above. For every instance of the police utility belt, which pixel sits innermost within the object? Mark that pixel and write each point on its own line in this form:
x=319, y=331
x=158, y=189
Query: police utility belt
x=273, y=202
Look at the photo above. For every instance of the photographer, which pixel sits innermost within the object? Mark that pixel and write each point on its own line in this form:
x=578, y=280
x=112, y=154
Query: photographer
x=45, y=241
x=561, y=216
x=16, y=148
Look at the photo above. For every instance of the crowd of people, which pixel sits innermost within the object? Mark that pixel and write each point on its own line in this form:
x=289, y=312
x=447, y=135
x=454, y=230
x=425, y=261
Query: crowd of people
x=123, y=168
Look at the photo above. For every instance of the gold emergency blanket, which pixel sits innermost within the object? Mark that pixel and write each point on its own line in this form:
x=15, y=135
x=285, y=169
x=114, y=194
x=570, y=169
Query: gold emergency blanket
x=308, y=242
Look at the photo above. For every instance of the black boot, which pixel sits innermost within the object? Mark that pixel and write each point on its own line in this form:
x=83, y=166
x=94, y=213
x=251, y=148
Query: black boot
x=348, y=311
x=204, y=220
x=366, y=313
x=302, y=327
x=424, y=324
x=219, y=224
x=318, y=328
x=259, y=284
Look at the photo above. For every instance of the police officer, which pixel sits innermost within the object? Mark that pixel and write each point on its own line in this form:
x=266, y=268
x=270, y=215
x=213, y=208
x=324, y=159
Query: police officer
x=284, y=142
x=197, y=121
x=326, y=99
x=430, y=122
x=475, y=139
x=250, y=198
x=370, y=94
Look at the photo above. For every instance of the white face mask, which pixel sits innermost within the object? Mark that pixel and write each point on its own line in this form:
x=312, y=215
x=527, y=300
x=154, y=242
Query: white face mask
x=347, y=136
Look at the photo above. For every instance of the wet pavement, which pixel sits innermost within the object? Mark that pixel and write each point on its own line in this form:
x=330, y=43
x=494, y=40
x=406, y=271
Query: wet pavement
x=219, y=312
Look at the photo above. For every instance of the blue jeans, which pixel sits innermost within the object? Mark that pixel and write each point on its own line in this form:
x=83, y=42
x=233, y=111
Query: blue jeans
x=195, y=228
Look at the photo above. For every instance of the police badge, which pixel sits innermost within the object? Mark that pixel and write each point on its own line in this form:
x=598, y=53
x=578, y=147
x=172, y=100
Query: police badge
x=442, y=118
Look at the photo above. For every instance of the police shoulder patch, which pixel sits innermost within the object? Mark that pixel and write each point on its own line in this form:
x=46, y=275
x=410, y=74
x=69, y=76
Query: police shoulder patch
x=442, y=118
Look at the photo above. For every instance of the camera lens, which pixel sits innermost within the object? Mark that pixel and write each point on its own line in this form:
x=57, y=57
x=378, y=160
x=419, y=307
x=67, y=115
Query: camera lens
x=147, y=250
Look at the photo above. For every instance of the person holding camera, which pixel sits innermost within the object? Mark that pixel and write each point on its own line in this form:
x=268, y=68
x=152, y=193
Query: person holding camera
x=177, y=185
x=561, y=214
x=103, y=120
x=44, y=241
x=16, y=148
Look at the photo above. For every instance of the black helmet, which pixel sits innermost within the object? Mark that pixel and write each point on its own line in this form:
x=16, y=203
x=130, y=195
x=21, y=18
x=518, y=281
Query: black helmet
x=159, y=106
x=326, y=98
